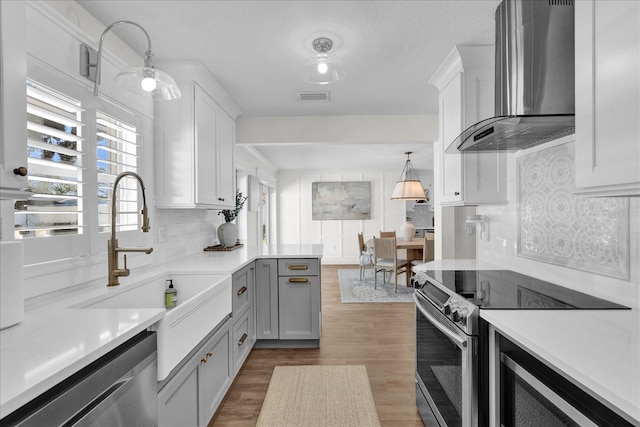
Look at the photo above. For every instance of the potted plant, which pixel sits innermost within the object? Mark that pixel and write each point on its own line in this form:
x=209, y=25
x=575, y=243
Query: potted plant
x=228, y=232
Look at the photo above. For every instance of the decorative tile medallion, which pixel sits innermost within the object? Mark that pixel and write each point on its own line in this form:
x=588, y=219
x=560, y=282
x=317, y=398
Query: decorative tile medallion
x=557, y=227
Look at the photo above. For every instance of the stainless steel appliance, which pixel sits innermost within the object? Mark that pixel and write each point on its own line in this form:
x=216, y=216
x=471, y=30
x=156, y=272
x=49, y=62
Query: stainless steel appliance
x=531, y=391
x=534, y=81
x=452, y=341
x=119, y=389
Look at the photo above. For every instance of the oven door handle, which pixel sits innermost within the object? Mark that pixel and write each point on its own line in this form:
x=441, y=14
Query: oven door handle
x=461, y=342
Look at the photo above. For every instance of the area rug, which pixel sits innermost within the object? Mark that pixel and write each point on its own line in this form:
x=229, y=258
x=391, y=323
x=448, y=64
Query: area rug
x=354, y=290
x=319, y=396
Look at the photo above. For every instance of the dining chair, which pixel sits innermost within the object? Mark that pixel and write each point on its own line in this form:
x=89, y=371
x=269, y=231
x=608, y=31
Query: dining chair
x=427, y=250
x=366, y=256
x=384, y=234
x=386, y=260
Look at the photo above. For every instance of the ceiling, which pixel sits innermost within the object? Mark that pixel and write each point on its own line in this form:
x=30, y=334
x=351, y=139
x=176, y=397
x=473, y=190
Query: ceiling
x=257, y=49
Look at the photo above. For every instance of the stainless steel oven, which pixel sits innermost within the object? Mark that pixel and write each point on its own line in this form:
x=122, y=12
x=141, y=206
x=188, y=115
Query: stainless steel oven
x=446, y=368
x=531, y=393
x=452, y=341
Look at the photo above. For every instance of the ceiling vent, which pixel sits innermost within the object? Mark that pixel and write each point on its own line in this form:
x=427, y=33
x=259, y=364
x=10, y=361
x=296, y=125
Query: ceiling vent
x=313, y=96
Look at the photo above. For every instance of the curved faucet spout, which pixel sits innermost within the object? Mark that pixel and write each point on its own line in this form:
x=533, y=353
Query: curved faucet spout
x=113, y=249
x=145, y=217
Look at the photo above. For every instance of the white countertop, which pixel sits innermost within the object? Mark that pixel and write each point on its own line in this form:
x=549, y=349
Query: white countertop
x=457, y=264
x=50, y=345
x=55, y=340
x=598, y=350
x=224, y=262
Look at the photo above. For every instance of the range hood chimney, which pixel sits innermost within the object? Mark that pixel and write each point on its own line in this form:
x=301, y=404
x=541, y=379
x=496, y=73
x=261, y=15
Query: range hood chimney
x=534, y=88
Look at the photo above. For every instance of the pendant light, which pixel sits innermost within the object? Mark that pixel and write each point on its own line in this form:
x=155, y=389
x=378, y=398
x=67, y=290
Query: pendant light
x=409, y=186
x=133, y=80
x=323, y=68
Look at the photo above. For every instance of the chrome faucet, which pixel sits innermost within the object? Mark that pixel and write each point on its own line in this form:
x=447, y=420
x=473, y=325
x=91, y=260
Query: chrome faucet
x=113, y=249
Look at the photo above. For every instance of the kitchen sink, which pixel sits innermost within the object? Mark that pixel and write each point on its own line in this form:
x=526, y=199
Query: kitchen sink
x=204, y=300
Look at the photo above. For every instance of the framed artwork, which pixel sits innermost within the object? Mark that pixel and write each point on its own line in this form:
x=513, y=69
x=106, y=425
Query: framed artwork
x=340, y=200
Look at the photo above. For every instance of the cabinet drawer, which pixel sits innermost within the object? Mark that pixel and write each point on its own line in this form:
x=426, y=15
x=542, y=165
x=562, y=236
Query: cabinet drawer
x=243, y=338
x=298, y=267
x=242, y=290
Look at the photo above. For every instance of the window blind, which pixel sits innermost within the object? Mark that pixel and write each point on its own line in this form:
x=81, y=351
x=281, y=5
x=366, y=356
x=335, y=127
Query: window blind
x=117, y=151
x=54, y=160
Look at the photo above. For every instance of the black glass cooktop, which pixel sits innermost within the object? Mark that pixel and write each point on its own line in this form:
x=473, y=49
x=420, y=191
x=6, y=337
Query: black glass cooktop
x=505, y=289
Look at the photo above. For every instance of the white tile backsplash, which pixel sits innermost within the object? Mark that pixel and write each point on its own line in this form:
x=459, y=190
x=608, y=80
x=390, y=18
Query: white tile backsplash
x=558, y=227
x=502, y=248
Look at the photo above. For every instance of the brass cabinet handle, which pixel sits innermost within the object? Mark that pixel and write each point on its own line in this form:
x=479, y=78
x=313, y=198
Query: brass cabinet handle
x=221, y=199
x=22, y=171
x=242, y=290
x=242, y=339
x=298, y=280
x=204, y=359
x=298, y=267
x=456, y=193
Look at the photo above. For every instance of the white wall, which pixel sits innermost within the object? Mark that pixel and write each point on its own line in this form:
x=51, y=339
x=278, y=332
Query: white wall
x=501, y=249
x=339, y=237
x=337, y=129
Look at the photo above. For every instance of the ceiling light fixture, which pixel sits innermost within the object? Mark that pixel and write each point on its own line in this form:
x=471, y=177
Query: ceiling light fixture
x=323, y=68
x=409, y=186
x=133, y=80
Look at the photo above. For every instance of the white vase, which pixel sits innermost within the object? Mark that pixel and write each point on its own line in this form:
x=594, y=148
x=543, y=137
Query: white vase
x=407, y=231
x=228, y=234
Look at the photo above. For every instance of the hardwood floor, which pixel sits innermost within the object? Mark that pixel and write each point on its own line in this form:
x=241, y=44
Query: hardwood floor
x=380, y=336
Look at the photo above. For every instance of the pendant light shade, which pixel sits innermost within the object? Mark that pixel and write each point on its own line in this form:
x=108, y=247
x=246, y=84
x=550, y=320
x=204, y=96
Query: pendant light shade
x=142, y=80
x=409, y=186
x=322, y=68
x=133, y=80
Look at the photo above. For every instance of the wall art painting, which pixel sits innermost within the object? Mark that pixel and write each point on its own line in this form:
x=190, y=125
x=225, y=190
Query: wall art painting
x=340, y=200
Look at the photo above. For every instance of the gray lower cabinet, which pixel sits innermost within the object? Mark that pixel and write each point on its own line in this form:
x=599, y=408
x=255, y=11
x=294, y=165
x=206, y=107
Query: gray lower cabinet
x=243, y=330
x=288, y=302
x=267, y=299
x=299, y=304
x=243, y=339
x=192, y=395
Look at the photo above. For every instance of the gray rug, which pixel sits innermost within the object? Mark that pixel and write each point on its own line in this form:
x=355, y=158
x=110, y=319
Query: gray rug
x=354, y=290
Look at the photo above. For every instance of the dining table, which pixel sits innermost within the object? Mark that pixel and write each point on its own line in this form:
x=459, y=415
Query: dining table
x=414, y=248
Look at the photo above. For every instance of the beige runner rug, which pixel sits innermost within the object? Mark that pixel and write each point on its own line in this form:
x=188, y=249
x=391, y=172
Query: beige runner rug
x=319, y=396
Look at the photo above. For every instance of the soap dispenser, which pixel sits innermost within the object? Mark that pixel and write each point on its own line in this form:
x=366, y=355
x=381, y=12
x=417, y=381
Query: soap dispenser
x=170, y=295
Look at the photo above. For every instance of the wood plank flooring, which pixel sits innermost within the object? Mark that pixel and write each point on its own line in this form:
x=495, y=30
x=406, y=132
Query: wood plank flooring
x=379, y=336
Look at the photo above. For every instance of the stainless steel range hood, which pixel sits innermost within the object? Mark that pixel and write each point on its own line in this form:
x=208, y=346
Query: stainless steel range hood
x=534, y=89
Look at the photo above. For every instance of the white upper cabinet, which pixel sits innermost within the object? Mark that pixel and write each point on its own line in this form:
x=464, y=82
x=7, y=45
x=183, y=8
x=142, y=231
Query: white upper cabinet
x=13, y=107
x=195, y=141
x=225, y=177
x=465, y=81
x=608, y=98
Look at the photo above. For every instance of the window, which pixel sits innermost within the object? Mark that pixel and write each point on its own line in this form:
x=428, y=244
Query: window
x=54, y=160
x=116, y=152
x=75, y=151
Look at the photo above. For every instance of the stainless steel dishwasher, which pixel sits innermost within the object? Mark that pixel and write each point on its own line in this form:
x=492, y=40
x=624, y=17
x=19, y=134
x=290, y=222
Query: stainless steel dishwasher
x=119, y=389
